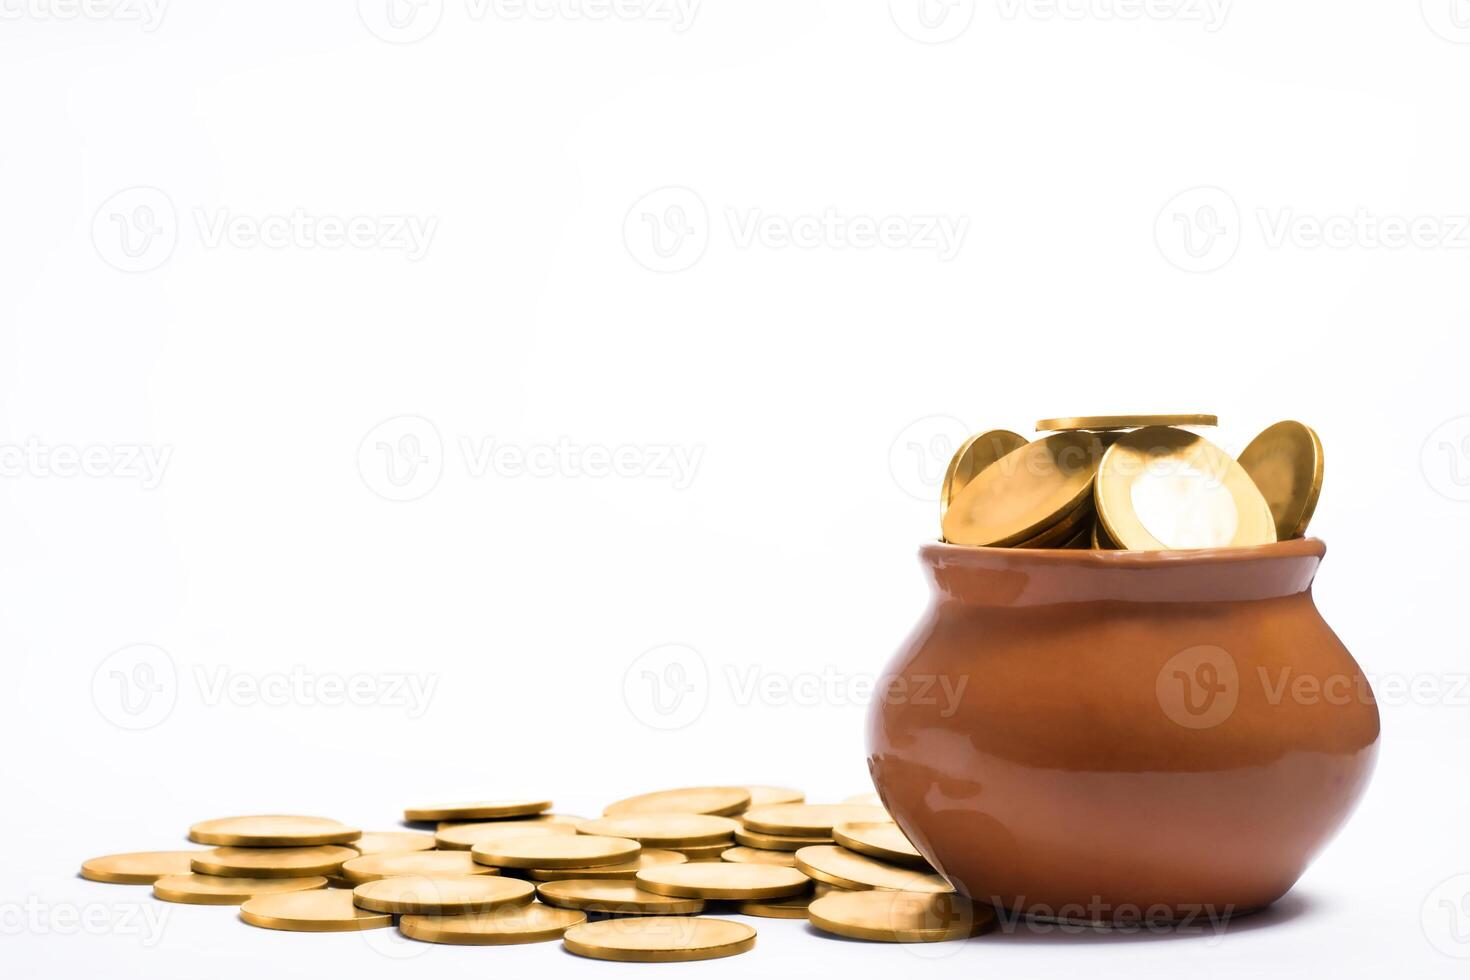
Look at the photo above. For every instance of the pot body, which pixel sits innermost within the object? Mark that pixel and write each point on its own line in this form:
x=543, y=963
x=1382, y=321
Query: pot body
x=1122, y=736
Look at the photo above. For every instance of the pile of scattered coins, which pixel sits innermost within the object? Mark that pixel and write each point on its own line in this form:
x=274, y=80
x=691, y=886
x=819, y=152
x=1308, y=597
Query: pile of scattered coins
x=1130, y=482
x=633, y=885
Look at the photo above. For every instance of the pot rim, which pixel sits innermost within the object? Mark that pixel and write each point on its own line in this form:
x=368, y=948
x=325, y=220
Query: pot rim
x=961, y=554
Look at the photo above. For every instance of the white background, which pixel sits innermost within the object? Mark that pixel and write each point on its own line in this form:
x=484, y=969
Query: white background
x=1183, y=207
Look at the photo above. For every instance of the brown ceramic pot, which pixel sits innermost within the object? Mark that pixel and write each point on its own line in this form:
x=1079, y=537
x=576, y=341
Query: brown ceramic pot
x=1104, y=735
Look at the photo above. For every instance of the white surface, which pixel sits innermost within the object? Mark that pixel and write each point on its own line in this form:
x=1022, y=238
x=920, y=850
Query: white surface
x=815, y=390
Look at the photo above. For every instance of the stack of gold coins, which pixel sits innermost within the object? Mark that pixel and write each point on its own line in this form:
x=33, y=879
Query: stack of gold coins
x=1130, y=482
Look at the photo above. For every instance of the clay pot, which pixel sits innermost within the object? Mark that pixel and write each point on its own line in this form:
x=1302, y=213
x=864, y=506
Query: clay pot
x=1104, y=735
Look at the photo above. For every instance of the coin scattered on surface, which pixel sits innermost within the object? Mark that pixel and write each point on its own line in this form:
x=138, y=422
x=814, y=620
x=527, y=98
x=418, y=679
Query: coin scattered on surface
x=809, y=819
x=659, y=939
x=712, y=800
x=777, y=842
x=311, y=911
x=1028, y=491
x=392, y=842
x=724, y=880
x=462, y=837
x=899, y=917
x=670, y=830
x=372, y=867
x=649, y=857
x=1285, y=463
x=442, y=895
x=138, y=867
x=533, y=923
x=791, y=907
x=194, y=889
x=771, y=795
x=272, y=831
x=882, y=840
x=611, y=897
x=1095, y=423
x=755, y=855
x=576, y=851
x=482, y=810
x=848, y=869
x=703, y=852
x=273, y=862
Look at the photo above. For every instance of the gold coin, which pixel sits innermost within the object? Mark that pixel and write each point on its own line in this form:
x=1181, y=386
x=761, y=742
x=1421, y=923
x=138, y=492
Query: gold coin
x=864, y=799
x=777, y=842
x=1018, y=497
x=664, y=829
x=1285, y=463
x=659, y=939
x=464, y=836
x=392, y=842
x=881, y=840
x=723, y=880
x=272, y=831
x=704, y=852
x=649, y=857
x=714, y=800
x=518, y=924
x=899, y=917
x=755, y=855
x=849, y=869
x=1160, y=489
x=192, y=889
x=771, y=795
x=1064, y=530
x=1100, y=539
x=791, y=907
x=576, y=851
x=137, y=868
x=481, y=810
x=1094, y=423
x=563, y=818
x=978, y=452
x=272, y=862
x=314, y=911
x=615, y=898
x=809, y=819
x=442, y=895
x=372, y=867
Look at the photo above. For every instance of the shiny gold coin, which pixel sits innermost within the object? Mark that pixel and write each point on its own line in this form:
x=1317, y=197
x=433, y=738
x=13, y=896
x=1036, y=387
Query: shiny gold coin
x=615, y=898
x=755, y=855
x=673, y=830
x=372, y=867
x=533, y=923
x=465, y=836
x=649, y=857
x=562, y=818
x=272, y=831
x=1095, y=423
x=771, y=795
x=899, y=917
x=882, y=840
x=1080, y=519
x=482, y=810
x=714, y=800
x=849, y=869
x=192, y=889
x=1100, y=539
x=1285, y=463
x=978, y=452
x=864, y=799
x=576, y=851
x=791, y=907
x=392, y=842
x=272, y=862
x=704, y=852
x=723, y=880
x=313, y=911
x=1019, y=496
x=138, y=868
x=659, y=939
x=777, y=842
x=809, y=819
x=1161, y=489
x=442, y=895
